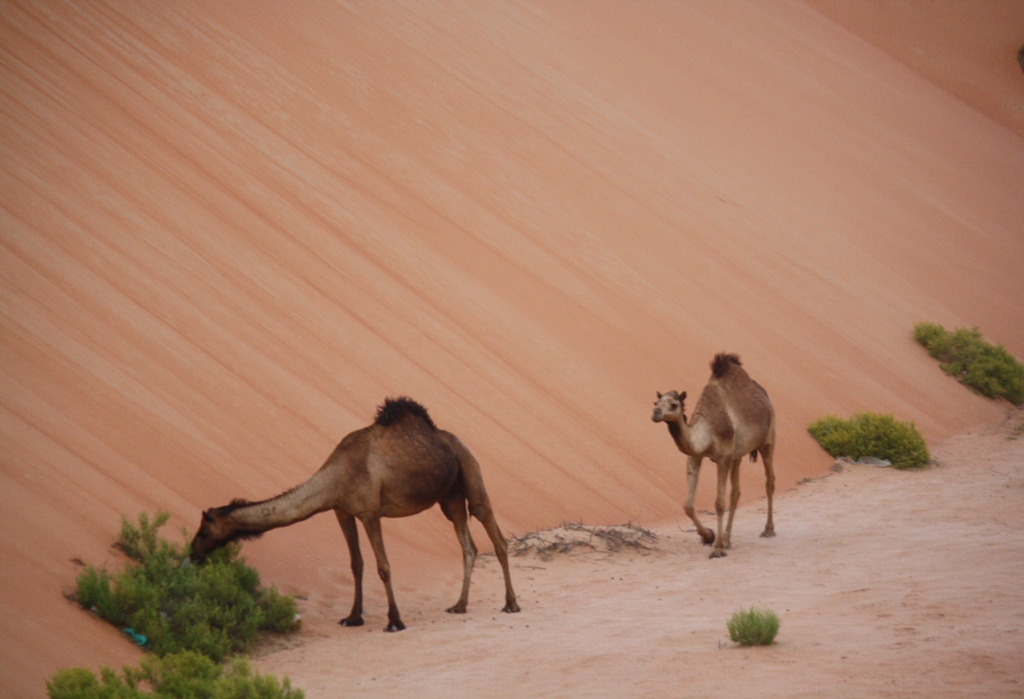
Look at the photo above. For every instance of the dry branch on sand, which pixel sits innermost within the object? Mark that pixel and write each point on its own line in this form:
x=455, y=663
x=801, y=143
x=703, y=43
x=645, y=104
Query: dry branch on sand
x=571, y=536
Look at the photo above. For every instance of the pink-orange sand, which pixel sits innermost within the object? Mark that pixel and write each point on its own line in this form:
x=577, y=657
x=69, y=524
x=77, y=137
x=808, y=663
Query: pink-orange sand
x=229, y=229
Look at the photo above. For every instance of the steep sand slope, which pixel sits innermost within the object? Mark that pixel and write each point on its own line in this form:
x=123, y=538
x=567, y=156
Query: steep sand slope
x=968, y=47
x=229, y=230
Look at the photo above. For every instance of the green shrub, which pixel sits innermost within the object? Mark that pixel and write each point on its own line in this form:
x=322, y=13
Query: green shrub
x=216, y=609
x=871, y=434
x=988, y=369
x=142, y=542
x=753, y=627
x=185, y=675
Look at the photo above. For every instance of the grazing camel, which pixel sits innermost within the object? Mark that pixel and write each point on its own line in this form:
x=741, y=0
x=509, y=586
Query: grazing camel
x=733, y=417
x=396, y=467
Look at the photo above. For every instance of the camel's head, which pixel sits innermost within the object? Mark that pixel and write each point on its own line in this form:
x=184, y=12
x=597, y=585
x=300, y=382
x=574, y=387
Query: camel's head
x=213, y=532
x=669, y=407
x=218, y=527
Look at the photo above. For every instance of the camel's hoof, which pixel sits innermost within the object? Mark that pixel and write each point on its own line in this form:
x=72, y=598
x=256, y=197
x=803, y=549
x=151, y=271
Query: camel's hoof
x=395, y=626
x=352, y=621
x=707, y=540
x=511, y=608
x=457, y=609
x=768, y=533
x=718, y=553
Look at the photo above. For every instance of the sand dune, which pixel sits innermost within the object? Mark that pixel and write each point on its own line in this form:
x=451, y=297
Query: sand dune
x=228, y=230
x=967, y=48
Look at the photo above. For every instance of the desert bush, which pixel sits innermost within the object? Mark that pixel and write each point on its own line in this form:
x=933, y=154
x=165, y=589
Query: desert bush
x=871, y=434
x=753, y=627
x=185, y=675
x=143, y=541
x=964, y=354
x=216, y=609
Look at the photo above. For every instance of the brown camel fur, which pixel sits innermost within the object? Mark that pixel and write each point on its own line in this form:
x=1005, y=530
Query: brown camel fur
x=398, y=466
x=733, y=417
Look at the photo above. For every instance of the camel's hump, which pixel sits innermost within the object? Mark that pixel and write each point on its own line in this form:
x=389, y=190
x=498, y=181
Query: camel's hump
x=723, y=362
x=394, y=409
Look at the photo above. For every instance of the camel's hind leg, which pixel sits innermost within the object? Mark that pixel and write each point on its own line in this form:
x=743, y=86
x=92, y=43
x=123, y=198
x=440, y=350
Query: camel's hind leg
x=480, y=507
x=454, y=508
x=348, y=528
x=501, y=550
x=373, y=532
x=767, y=453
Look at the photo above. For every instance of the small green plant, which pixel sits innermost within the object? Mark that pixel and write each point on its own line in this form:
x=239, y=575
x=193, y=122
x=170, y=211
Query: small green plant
x=140, y=542
x=964, y=354
x=185, y=675
x=216, y=609
x=871, y=434
x=753, y=627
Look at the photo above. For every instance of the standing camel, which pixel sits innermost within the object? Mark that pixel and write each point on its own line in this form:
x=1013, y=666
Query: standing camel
x=733, y=417
x=396, y=467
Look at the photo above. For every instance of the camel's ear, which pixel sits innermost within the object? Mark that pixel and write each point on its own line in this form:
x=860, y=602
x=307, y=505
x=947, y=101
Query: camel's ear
x=682, y=395
x=659, y=395
x=207, y=517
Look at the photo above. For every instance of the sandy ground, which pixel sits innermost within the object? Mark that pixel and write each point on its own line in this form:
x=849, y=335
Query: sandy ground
x=888, y=584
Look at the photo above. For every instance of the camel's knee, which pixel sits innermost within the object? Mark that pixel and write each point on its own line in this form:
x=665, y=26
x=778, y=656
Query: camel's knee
x=690, y=512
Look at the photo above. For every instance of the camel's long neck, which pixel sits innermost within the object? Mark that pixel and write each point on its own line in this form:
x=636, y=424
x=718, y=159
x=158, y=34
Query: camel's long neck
x=691, y=439
x=295, y=505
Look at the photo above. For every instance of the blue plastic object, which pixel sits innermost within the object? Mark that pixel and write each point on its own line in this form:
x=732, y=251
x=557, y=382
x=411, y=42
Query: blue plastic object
x=137, y=637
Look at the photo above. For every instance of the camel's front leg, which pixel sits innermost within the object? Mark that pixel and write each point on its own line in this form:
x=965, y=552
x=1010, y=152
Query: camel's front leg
x=348, y=528
x=724, y=469
x=373, y=532
x=707, y=537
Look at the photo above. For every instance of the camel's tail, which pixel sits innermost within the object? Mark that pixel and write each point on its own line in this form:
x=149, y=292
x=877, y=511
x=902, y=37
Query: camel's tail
x=472, y=480
x=753, y=456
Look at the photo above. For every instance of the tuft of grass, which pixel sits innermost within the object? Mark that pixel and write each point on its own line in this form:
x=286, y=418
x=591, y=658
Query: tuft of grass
x=964, y=354
x=753, y=627
x=186, y=675
x=871, y=434
x=215, y=609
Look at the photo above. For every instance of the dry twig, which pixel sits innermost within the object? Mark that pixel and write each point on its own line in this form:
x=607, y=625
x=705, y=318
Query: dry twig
x=570, y=536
